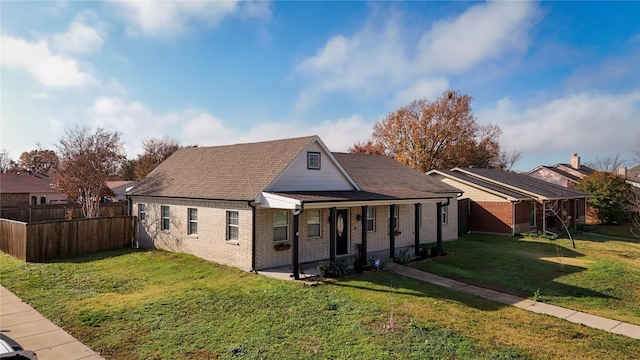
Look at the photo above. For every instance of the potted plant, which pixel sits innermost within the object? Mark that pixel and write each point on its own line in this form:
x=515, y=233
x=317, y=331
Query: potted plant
x=282, y=246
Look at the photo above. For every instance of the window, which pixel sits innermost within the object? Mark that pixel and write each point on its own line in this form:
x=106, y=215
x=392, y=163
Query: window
x=313, y=223
x=142, y=212
x=165, y=217
x=34, y=200
x=193, y=221
x=43, y=199
x=280, y=226
x=232, y=225
x=396, y=223
x=371, y=219
x=444, y=213
x=532, y=215
x=313, y=160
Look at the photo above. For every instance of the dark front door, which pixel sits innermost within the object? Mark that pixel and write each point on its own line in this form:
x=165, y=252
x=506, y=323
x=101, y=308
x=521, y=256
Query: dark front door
x=342, y=232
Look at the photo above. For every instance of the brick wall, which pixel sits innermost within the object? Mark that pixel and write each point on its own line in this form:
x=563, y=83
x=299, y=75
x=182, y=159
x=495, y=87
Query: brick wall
x=11, y=200
x=210, y=241
x=492, y=217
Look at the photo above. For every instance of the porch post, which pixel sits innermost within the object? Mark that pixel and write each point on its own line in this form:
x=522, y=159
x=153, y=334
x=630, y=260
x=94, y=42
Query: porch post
x=439, y=226
x=363, y=246
x=418, y=215
x=296, y=238
x=392, y=235
x=332, y=234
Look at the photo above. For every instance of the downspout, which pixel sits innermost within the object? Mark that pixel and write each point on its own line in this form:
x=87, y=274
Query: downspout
x=253, y=236
x=296, y=241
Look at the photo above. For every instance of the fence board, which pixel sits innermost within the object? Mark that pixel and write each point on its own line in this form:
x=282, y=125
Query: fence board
x=13, y=238
x=40, y=213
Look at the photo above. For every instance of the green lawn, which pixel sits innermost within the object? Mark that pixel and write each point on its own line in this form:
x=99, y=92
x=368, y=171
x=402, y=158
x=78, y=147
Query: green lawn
x=130, y=304
x=623, y=230
x=600, y=276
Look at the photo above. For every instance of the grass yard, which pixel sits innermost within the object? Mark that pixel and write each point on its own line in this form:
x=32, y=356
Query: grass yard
x=600, y=276
x=130, y=304
x=623, y=230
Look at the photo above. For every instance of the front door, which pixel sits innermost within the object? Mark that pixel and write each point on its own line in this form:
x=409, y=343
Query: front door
x=342, y=232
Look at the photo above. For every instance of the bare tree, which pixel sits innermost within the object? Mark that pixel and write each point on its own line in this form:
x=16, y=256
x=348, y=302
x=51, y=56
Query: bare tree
x=5, y=161
x=86, y=161
x=556, y=208
x=635, y=153
x=607, y=163
x=634, y=208
x=155, y=152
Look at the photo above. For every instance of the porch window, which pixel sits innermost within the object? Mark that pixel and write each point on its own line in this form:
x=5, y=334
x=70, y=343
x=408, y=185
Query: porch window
x=193, y=221
x=313, y=160
x=281, y=225
x=532, y=215
x=444, y=213
x=232, y=225
x=165, y=217
x=313, y=224
x=396, y=222
x=371, y=219
x=142, y=212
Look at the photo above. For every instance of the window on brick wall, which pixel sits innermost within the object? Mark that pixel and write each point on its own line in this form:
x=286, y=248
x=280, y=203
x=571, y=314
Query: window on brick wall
x=444, y=213
x=280, y=225
x=314, y=224
x=142, y=212
x=233, y=225
x=371, y=219
x=165, y=217
x=193, y=221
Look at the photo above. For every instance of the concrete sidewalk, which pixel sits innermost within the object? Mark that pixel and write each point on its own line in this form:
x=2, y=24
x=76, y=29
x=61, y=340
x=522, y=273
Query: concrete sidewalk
x=34, y=332
x=597, y=322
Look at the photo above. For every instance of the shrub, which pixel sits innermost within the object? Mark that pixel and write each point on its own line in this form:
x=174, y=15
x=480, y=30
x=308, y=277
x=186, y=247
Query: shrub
x=403, y=257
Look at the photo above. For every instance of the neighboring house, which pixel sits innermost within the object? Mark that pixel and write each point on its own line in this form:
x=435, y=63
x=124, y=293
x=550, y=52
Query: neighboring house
x=509, y=203
x=285, y=202
x=567, y=175
x=632, y=175
x=119, y=189
x=18, y=189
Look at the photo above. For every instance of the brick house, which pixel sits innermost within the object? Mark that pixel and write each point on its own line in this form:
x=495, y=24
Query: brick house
x=21, y=189
x=285, y=202
x=509, y=203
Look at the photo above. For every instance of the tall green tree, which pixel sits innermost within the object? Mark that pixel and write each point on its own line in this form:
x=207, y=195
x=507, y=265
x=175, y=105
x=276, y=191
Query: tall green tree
x=86, y=160
x=438, y=134
x=610, y=195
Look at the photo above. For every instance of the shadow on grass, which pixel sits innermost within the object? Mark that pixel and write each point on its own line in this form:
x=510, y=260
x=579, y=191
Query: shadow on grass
x=94, y=256
x=395, y=284
x=509, y=265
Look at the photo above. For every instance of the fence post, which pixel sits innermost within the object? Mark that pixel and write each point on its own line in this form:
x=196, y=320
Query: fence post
x=29, y=214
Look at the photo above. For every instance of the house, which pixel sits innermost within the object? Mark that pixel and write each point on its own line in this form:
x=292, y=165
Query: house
x=631, y=175
x=119, y=189
x=28, y=188
x=285, y=202
x=509, y=203
x=567, y=175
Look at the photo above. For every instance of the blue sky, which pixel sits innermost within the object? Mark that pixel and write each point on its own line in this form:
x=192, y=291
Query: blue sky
x=557, y=77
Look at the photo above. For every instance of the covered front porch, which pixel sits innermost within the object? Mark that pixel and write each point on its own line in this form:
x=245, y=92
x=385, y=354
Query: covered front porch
x=357, y=225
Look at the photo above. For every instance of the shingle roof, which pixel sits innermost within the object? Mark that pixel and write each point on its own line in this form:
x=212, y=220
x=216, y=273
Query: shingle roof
x=25, y=183
x=512, y=184
x=232, y=172
x=384, y=175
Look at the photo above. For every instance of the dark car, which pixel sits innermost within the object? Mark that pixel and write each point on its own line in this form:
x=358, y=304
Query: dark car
x=10, y=349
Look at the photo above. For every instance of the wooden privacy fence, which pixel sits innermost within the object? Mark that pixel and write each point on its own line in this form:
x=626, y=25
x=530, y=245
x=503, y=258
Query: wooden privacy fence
x=36, y=213
x=60, y=239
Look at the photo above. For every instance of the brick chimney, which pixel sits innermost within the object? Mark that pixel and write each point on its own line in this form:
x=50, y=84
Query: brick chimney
x=574, y=161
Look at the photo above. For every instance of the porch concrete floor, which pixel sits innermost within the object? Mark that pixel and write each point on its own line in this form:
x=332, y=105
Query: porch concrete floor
x=307, y=271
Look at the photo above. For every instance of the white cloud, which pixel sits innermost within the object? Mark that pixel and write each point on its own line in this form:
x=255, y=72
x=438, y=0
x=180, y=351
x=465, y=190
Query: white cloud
x=80, y=38
x=174, y=18
x=424, y=88
x=385, y=59
x=595, y=123
x=51, y=71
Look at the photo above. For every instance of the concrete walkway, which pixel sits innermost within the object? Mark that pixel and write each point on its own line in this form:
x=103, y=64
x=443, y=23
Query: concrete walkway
x=597, y=322
x=34, y=332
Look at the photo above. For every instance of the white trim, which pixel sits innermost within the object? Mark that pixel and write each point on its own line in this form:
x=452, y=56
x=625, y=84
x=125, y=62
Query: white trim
x=272, y=201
